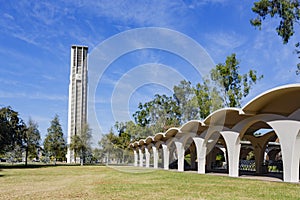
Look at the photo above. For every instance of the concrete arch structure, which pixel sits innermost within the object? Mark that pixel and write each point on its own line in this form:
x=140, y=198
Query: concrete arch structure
x=259, y=145
x=277, y=109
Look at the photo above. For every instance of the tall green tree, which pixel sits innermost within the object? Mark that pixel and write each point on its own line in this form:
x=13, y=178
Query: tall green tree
x=109, y=151
x=288, y=14
x=208, y=98
x=161, y=113
x=81, y=144
x=125, y=130
x=115, y=146
x=11, y=130
x=98, y=155
x=54, y=143
x=31, y=140
x=184, y=94
x=132, y=131
x=124, y=134
x=230, y=84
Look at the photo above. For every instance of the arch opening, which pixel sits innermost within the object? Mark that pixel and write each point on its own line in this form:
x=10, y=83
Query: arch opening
x=260, y=151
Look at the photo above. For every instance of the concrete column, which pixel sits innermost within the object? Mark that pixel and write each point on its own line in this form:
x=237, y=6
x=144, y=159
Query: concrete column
x=201, y=154
x=193, y=156
x=155, y=157
x=209, y=159
x=288, y=132
x=233, y=148
x=135, y=158
x=166, y=153
x=147, y=155
x=259, y=145
x=180, y=154
x=259, y=158
x=141, y=157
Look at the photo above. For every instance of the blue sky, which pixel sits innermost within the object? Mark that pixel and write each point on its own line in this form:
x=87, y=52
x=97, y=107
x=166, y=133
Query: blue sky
x=36, y=36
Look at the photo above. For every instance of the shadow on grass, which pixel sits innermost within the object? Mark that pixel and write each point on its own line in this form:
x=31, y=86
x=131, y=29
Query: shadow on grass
x=277, y=175
x=32, y=166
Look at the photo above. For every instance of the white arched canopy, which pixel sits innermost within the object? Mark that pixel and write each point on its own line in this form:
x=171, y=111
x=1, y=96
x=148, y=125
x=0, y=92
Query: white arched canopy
x=277, y=109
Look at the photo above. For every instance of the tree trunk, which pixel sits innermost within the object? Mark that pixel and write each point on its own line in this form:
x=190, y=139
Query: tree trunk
x=26, y=155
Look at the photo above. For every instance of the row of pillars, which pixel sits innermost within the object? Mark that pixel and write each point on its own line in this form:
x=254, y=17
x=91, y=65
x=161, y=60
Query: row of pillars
x=290, y=147
x=201, y=155
x=140, y=155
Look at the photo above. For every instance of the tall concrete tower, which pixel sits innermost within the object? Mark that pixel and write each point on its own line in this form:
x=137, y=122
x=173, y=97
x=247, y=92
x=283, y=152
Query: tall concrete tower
x=77, y=114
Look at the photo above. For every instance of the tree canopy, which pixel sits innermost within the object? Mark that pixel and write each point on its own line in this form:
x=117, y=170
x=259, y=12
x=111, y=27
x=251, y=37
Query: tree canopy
x=207, y=98
x=11, y=130
x=184, y=93
x=16, y=137
x=31, y=140
x=160, y=113
x=54, y=143
x=231, y=85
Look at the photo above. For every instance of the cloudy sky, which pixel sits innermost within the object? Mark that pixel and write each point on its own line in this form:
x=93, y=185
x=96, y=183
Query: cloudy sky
x=36, y=36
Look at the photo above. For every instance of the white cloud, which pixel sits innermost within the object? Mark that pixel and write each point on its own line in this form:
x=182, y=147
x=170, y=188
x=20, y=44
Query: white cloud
x=136, y=78
x=8, y=82
x=40, y=96
x=41, y=24
x=48, y=77
x=221, y=44
x=228, y=40
x=278, y=61
x=8, y=16
x=157, y=13
x=196, y=3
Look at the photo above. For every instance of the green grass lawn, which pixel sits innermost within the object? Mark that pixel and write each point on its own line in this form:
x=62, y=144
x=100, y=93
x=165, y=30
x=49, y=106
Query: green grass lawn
x=100, y=182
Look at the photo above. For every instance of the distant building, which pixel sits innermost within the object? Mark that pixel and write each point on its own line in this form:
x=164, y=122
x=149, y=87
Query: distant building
x=77, y=113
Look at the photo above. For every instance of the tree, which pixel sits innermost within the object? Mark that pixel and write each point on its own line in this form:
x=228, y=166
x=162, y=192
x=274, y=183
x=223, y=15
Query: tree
x=14, y=155
x=184, y=94
x=31, y=139
x=161, y=113
x=54, y=144
x=130, y=131
x=11, y=130
x=107, y=146
x=98, y=155
x=81, y=144
x=208, y=98
x=124, y=134
x=115, y=146
x=231, y=85
x=287, y=11
x=123, y=139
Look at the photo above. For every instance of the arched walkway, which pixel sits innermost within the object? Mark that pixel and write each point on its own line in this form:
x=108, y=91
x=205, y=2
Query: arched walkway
x=277, y=110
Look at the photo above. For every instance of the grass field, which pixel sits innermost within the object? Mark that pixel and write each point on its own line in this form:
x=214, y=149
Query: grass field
x=101, y=182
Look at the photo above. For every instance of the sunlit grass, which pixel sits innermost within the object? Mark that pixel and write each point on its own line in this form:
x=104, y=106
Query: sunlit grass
x=101, y=182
